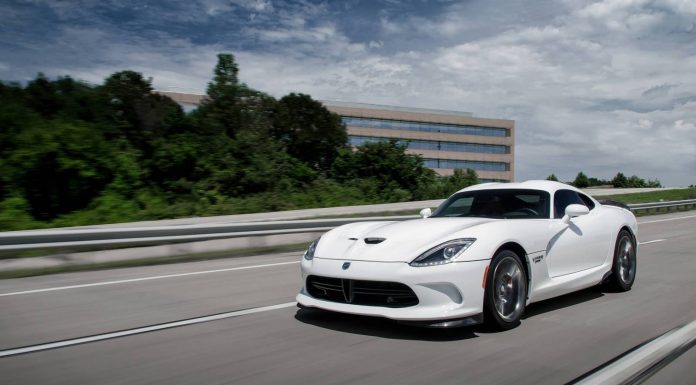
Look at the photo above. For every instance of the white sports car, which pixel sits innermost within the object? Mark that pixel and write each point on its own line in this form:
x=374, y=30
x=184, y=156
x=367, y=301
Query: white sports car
x=486, y=252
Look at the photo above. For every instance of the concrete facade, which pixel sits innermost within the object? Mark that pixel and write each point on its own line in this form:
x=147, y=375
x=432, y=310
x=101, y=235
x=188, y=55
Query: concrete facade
x=445, y=139
x=436, y=117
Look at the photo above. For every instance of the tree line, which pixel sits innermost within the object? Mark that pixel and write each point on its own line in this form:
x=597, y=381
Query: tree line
x=72, y=153
x=619, y=181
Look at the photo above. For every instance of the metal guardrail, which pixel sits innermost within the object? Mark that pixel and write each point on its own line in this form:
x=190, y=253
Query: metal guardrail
x=658, y=205
x=81, y=237
x=91, y=237
x=643, y=361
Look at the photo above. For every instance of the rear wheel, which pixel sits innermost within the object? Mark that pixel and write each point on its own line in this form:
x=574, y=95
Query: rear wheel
x=505, y=296
x=623, y=270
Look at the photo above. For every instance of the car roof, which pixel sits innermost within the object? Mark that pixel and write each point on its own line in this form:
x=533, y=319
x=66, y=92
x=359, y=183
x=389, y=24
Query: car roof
x=544, y=185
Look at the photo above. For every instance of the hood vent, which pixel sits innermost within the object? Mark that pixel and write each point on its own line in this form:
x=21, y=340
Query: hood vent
x=374, y=241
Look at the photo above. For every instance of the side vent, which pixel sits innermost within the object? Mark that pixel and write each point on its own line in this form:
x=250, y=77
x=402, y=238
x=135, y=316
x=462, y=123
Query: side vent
x=374, y=241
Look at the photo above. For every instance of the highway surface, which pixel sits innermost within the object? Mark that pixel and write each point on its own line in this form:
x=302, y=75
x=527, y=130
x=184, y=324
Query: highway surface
x=260, y=337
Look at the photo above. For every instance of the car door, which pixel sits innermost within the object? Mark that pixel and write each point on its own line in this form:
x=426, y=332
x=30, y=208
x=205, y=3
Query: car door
x=578, y=245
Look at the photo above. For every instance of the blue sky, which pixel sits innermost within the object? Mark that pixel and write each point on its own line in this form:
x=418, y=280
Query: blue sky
x=601, y=86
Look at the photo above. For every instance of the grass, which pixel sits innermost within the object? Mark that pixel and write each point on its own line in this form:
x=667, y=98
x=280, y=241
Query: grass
x=21, y=273
x=653, y=196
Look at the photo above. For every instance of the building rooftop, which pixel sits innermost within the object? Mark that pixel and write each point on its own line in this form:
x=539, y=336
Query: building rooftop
x=334, y=103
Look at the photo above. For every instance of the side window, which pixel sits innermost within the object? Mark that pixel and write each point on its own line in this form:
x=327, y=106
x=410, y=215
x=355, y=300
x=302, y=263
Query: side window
x=460, y=207
x=563, y=198
x=587, y=201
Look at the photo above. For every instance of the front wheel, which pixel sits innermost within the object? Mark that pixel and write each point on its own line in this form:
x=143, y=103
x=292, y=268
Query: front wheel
x=623, y=270
x=505, y=296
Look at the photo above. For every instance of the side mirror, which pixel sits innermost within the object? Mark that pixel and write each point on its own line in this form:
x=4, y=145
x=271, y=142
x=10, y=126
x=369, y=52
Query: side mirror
x=426, y=212
x=575, y=210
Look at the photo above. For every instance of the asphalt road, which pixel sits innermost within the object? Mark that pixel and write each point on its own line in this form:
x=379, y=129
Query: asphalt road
x=559, y=339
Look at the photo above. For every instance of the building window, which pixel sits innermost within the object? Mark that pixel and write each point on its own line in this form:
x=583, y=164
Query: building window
x=472, y=164
x=435, y=145
x=421, y=126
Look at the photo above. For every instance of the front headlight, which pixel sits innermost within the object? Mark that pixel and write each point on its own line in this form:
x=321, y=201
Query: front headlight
x=444, y=253
x=309, y=254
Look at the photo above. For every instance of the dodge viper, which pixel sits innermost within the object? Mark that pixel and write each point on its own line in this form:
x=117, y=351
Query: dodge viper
x=486, y=253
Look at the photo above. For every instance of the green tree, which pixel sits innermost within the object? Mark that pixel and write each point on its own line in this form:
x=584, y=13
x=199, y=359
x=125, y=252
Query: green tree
x=309, y=131
x=654, y=183
x=59, y=167
x=15, y=116
x=463, y=178
x=457, y=181
x=598, y=182
x=250, y=164
x=79, y=101
x=125, y=92
x=42, y=96
x=231, y=106
x=581, y=180
x=386, y=166
x=14, y=214
x=619, y=181
x=225, y=79
x=471, y=177
x=636, y=182
x=552, y=177
x=136, y=112
x=178, y=161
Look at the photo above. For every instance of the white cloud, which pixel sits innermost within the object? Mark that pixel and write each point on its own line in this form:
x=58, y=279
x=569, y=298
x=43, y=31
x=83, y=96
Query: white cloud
x=215, y=7
x=375, y=44
x=260, y=5
x=685, y=127
x=687, y=7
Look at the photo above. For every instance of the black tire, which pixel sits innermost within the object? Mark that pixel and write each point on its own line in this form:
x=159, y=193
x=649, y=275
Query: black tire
x=624, y=266
x=505, y=296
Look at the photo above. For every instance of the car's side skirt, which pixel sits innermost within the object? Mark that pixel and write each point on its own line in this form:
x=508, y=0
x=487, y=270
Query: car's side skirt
x=547, y=287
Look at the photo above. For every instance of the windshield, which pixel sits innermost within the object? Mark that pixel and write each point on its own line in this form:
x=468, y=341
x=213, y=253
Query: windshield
x=507, y=204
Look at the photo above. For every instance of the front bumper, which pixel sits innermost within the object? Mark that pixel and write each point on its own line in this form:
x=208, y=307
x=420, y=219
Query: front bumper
x=444, y=292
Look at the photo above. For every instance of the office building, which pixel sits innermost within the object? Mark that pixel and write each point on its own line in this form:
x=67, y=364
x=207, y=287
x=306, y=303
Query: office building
x=446, y=140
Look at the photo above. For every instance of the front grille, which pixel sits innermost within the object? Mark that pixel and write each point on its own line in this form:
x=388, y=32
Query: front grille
x=357, y=292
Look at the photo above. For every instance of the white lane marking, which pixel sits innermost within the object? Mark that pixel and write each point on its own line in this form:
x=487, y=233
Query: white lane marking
x=146, y=329
x=653, y=241
x=146, y=278
x=667, y=219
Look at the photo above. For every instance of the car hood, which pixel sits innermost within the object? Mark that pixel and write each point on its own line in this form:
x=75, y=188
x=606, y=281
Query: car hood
x=402, y=241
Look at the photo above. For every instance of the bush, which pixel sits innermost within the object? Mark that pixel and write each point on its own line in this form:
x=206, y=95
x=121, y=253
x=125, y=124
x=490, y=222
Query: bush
x=14, y=215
